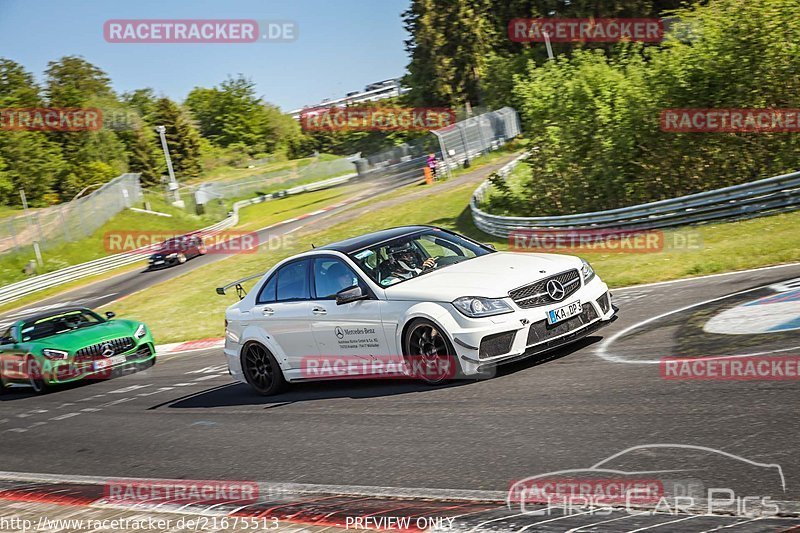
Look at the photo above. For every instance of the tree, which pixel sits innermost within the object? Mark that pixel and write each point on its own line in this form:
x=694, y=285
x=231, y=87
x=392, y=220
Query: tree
x=17, y=86
x=37, y=175
x=183, y=139
x=449, y=42
x=28, y=159
x=143, y=148
x=72, y=82
x=232, y=114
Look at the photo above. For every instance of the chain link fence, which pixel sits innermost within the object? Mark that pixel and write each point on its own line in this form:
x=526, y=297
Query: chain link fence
x=476, y=135
x=211, y=193
x=72, y=220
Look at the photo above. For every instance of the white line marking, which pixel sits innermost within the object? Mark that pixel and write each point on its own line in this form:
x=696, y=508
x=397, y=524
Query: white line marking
x=64, y=416
x=31, y=413
x=115, y=402
x=663, y=524
x=536, y=524
x=17, y=430
x=207, y=377
x=602, y=350
x=128, y=389
x=733, y=525
x=182, y=384
x=91, y=410
x=162, y=389
x=577, y=529
x=684, y=280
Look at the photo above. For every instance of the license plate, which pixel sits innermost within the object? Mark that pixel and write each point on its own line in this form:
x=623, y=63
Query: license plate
x=111, y=361
x=158, y=262
x=563, y=313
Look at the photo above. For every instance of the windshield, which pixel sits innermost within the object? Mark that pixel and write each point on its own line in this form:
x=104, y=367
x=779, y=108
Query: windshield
x=60, y=323
x=398, y=260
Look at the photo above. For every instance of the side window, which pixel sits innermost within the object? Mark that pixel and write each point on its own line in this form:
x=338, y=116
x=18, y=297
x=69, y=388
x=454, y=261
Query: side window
x=6, y=338
x=267, y=294
x=293, y=282
x=331, y=275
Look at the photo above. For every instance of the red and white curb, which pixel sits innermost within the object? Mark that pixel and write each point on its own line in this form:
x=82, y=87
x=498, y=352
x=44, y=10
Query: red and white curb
x=190, y=346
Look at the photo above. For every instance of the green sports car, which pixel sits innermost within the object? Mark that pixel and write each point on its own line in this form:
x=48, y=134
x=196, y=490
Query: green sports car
x=66, y=345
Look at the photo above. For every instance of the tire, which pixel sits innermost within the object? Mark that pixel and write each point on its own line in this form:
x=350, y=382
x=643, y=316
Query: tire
x=202, y=250
x=181, y=259
x=261, y=370
x=35, y=377
x=426, y=349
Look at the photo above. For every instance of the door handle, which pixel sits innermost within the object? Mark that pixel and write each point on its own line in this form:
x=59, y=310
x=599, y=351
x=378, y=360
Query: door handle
x=319, y=311
x=268, y=311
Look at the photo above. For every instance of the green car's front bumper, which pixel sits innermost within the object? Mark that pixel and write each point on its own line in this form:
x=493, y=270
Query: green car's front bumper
x=76, y=368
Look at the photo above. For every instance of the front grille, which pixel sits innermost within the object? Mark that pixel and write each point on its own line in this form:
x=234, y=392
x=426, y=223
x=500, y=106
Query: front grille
x=105, y=349
x=497, y=344
x=535, y=294
x=542, y=331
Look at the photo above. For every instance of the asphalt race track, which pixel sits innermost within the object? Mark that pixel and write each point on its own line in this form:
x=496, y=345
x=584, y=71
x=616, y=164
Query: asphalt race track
x=184, y=418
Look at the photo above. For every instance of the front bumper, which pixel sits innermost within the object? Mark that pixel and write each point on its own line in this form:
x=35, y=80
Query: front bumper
x=68, y=371
x=484, y=343
x=165, y=263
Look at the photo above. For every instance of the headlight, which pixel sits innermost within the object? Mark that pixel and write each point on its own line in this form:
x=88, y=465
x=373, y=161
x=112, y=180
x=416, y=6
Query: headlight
x=477, y=307
x=54, y=354
x=587, y=272
x=141, y=331
x=172, y=256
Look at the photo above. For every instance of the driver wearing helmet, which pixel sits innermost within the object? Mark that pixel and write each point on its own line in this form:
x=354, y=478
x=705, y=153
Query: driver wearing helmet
x=403, y=263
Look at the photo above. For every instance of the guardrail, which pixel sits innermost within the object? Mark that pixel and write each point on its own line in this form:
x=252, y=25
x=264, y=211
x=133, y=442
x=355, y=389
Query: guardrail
x=758, y=198
x=17, y=290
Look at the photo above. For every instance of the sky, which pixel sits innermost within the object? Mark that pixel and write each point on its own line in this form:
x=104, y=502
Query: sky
x=342, y=45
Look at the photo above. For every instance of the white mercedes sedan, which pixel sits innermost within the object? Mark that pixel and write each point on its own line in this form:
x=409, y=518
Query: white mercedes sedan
x=401, y=301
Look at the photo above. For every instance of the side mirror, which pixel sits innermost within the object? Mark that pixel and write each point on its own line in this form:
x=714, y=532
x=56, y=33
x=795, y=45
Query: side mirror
x=110, y=314
x=490, y=245
x=350, y=294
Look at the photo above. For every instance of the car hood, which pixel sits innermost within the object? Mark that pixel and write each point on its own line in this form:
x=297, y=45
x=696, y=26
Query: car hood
x=491, y=276
x=80, y=338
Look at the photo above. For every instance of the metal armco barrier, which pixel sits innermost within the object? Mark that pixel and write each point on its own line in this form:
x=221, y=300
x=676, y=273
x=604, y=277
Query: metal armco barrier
x=758, y=198
x=14, y=291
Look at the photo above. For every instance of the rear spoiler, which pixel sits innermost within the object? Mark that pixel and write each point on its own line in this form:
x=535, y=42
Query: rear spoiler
x=240, y=292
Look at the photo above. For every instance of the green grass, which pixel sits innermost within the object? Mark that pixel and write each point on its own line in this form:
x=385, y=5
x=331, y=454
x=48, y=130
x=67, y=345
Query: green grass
x=230, y=173
x=726, y=247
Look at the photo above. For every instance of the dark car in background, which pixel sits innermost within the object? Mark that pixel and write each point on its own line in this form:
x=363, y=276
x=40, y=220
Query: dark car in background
x=176, y=251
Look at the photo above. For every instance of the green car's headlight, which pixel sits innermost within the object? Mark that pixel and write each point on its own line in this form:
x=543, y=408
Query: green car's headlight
x=141, y=331
x=478, y=307
x=55, y=354
x=587, y=272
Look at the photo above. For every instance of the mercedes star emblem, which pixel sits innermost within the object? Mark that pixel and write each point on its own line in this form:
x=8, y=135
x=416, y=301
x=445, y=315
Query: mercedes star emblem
x=555, y=289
